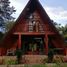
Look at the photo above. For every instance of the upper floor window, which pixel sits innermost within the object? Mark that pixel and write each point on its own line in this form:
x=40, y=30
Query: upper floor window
x=31, y=26
x=34, y=24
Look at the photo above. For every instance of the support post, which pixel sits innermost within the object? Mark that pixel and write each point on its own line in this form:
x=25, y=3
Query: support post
x=0, y=51
x=46, y=43
x=19, y=42
x=65, y=52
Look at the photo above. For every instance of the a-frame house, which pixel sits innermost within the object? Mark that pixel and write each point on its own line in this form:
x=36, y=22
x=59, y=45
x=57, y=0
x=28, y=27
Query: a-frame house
x=33, y=33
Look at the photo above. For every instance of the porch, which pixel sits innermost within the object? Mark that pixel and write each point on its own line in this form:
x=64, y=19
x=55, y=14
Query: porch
x=37, y=44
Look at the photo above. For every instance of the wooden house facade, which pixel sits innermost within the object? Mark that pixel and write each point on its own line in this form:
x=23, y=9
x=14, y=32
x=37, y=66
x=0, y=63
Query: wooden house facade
x=33, y=33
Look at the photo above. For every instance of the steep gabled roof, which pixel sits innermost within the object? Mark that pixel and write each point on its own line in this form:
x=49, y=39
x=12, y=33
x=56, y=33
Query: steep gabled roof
x=31, y=6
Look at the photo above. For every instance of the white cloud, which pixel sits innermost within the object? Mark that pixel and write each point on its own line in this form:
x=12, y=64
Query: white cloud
x=58, y=14
x=19, y=6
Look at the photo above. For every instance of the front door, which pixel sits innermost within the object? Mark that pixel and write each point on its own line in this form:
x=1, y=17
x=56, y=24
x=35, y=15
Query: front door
x=32, y=44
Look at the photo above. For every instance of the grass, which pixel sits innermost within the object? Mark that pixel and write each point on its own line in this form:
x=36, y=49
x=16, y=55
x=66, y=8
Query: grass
x=36, y=65
x=47, y=65
x=39, y=65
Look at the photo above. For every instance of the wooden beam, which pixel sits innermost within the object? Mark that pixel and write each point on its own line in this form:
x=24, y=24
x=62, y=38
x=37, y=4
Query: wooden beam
x=0, y=51
x=19, y=41
x=46, y=44
x=65, y=51
x=33, y=33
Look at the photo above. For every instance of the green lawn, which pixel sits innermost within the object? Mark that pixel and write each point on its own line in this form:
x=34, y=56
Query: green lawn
x=47, y=65
x=37, y=65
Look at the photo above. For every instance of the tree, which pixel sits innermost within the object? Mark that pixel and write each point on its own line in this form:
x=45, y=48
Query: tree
x=65, y=29
x=65, y=34
x=5, y=12
x=62, y=30
x=1, y=35
x=8, y=25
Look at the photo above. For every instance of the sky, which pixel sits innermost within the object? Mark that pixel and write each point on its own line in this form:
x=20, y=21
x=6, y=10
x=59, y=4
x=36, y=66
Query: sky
x=56, y=9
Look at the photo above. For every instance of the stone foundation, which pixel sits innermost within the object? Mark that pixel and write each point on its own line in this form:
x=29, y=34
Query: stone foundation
x=33, y=59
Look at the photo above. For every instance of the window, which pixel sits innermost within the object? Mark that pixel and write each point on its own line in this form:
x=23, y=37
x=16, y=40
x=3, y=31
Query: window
x=31, y=26
x=41, y=28
x=34, y=24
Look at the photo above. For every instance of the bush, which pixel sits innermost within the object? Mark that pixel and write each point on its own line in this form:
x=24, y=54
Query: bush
x=50, y=56
x=19, y=55
x=45, y=60
x=10, y=62
x=58, y=59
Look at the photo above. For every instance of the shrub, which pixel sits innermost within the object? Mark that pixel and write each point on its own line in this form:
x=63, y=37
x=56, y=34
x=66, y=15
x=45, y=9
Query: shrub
x=58, y=59
x=10, y=62
x=19, y=55
x=45, y=60
x=50, y=56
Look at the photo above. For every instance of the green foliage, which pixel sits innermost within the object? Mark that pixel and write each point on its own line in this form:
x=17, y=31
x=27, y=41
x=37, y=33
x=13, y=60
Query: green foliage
x=6, y=12
x=8, y=26
x=36, y=65
x=1, y=35
x=62, y=30
x=46, y=65
x=19, y=55
x=50, y=56
x=45, y=60
x=12, y=62
x=58, y=59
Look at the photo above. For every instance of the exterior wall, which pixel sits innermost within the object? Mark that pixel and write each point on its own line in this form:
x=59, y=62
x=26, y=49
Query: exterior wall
x=3, y=51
